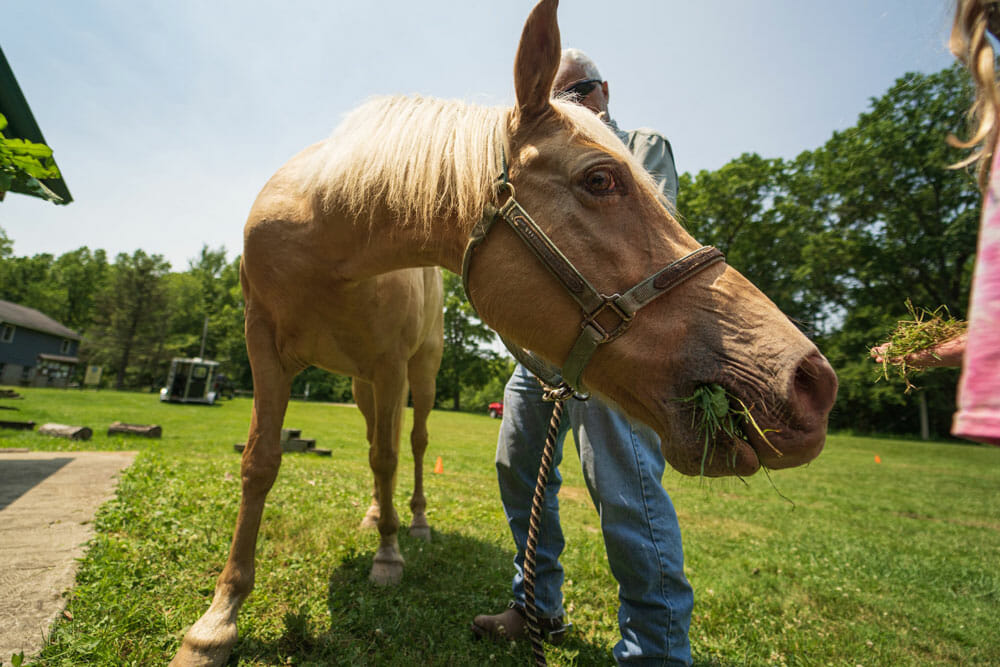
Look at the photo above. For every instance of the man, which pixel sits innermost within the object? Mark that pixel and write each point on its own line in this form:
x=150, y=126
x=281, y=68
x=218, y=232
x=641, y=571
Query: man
x=622, y=466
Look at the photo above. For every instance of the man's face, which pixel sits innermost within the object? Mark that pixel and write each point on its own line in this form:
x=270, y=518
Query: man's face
x=571, y=73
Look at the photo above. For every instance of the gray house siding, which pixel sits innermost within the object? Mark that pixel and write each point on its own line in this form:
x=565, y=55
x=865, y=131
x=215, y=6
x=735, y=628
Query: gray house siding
x=30, y=356
x=28, y=344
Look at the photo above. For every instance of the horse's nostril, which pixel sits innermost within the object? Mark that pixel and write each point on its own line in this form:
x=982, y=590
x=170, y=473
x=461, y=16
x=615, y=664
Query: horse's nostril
x=815, y=385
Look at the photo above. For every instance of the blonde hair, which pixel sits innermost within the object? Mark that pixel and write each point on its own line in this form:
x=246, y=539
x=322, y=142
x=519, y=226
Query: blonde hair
x=972, y=47
x=419, y=157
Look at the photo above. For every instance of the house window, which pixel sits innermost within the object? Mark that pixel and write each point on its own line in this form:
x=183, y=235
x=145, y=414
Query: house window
x=6, y=333
x=65, y=347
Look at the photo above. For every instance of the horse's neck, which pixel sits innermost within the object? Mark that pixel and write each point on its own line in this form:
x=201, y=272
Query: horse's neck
x=382, y=243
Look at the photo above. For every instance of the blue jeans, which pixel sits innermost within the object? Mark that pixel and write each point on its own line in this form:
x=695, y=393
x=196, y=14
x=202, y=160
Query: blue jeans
x=623, y=467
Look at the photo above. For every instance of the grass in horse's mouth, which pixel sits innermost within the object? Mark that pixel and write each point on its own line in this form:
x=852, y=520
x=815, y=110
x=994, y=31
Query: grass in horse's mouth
x=925, y=329
x=715, y=411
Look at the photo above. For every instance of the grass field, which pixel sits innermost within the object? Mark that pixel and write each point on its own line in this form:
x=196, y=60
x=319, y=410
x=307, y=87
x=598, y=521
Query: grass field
x=865, y=563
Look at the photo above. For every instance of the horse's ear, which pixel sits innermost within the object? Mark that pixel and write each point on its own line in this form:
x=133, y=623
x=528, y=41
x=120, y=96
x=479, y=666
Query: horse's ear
x=537, y=60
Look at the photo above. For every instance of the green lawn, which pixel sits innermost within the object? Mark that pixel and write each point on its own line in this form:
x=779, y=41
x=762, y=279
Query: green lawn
x=864, y=563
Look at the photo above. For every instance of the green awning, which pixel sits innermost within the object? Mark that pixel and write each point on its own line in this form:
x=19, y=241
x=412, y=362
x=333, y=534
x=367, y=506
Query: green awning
x=21, y=122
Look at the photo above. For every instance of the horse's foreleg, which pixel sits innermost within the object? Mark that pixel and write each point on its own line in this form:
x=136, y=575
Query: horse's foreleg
x=383, y=456
x=364, y=398
x=422, y=372
x=210, y=640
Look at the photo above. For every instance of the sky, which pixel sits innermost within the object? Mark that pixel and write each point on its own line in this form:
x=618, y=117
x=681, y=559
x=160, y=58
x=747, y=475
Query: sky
x=167, y=118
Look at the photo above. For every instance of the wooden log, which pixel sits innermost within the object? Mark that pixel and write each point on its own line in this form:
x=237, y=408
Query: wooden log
x=298, y=445
x=307, y=448
x=145, y=430
x=66, y=431
x=17, y=426
x=290, y=433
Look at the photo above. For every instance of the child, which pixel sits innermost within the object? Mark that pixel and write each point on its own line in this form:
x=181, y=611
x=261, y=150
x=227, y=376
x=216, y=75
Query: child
x=978, y=351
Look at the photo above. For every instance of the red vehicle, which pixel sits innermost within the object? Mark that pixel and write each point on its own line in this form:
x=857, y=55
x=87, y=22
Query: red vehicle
x=496, y=410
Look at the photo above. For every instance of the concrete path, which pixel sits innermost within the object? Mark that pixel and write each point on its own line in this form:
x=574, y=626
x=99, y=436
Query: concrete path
x=47, y=506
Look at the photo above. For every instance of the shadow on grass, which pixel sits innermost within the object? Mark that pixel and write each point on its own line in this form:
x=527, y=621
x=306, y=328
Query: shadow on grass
x=425, y=620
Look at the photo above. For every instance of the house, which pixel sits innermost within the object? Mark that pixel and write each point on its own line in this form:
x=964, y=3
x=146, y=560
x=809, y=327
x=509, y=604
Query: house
x=35, y=350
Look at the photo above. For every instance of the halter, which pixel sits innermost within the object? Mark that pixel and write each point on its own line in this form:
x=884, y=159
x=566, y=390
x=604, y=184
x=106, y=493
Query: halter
x=593, y=304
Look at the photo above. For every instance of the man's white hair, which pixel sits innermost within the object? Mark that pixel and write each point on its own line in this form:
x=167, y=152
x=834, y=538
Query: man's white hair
x=581, y=59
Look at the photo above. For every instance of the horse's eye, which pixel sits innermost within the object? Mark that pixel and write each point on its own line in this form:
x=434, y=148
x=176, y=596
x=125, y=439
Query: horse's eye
x=600, y=181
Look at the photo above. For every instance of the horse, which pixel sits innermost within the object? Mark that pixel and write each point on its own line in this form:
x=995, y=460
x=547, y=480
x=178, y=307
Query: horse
x=404, y=182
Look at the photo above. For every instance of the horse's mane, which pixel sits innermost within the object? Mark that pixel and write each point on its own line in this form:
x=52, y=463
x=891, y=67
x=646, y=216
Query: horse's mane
x=418, y=157
x=421, y=158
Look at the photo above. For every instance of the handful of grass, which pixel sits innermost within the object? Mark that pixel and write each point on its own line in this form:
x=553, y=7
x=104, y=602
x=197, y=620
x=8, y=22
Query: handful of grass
x=924, y=329
x=714, y=411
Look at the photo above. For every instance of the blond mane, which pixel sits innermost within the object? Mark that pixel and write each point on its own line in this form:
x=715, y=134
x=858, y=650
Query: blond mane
x=418, y=157
x=423, y=158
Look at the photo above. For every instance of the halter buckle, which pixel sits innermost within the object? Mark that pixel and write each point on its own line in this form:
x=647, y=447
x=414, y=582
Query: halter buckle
x=608, y=303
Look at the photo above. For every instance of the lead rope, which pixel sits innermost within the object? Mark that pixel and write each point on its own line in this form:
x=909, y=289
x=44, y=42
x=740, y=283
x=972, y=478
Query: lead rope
x=558, y=395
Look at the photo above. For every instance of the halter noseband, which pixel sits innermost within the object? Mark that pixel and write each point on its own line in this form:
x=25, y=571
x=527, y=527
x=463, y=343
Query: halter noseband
x=593, y=304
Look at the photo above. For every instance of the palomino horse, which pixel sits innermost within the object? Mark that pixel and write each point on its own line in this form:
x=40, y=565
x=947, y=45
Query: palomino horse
x=402, y=183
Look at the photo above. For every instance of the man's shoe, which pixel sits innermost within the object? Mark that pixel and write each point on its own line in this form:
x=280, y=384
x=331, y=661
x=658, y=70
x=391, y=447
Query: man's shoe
x=512, y=625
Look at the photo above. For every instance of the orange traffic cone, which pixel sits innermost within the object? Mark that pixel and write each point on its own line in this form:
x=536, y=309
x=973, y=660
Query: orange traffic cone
x=439, y=466
x=878, y=459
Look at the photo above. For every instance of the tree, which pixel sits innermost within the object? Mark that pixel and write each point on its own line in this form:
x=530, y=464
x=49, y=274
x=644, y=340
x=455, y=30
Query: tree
x=25, y=281
x=6, y=245
x=898, y=220
x=77, y=277
x=752, y=210
x=841, y=236
x=898, y=224
x=466, y=362
x=131, y=312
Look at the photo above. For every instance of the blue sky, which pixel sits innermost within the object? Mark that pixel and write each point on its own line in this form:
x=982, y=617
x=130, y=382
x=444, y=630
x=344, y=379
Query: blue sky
x=167, y=117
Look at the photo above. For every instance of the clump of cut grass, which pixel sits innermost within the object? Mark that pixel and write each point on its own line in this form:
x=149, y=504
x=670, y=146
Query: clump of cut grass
x=713, y=412
x=924, y=329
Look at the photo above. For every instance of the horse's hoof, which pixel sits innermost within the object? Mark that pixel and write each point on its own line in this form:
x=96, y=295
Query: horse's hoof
x=188, y=657
x=201, y=650
x=420, y=529
x=208, y=642
x=421, y=533
x=386, y=573
x=371, y=517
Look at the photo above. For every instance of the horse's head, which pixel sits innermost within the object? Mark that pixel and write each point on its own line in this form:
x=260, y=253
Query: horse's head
x=598, y=205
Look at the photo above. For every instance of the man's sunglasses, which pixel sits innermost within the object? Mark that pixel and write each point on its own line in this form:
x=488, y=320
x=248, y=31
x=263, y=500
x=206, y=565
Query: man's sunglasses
x=580, y=89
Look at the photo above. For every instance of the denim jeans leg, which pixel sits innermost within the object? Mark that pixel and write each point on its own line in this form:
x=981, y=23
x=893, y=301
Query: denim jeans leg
x=623, y=468
x=519, y=452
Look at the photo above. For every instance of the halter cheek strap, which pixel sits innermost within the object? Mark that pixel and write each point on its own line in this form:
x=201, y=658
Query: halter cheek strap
x=605, y=318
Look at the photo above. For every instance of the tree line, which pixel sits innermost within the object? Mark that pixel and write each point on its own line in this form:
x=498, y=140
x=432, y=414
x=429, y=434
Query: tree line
x=838, y=237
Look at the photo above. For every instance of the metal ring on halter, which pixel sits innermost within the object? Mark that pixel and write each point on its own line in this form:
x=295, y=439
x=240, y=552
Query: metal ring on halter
x=560, y=393
x=505, y=185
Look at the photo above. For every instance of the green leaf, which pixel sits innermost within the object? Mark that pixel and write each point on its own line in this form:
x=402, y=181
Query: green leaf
x=32, y=186
x=25, y=147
